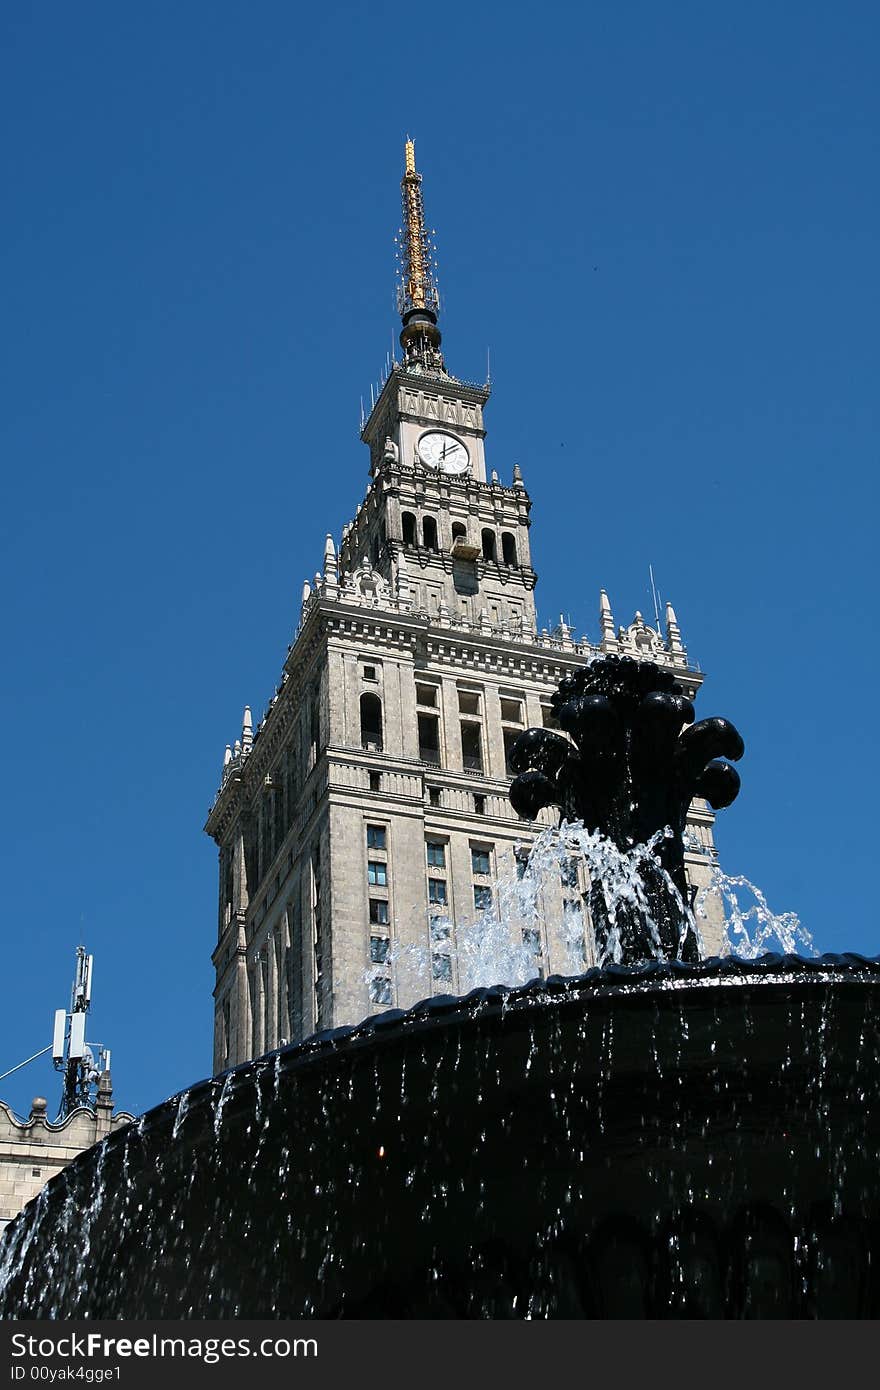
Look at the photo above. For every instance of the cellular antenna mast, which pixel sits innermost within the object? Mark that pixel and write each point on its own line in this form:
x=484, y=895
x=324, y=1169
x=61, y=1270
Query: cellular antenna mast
x=80, y=1062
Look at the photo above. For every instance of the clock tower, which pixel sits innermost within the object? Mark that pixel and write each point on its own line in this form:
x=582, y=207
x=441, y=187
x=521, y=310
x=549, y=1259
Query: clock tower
x=365, y=822
x=453, y=536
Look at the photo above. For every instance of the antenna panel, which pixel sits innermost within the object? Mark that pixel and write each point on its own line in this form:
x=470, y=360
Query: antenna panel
x=90, y=960
x=77, y=1036
x=58, y=1034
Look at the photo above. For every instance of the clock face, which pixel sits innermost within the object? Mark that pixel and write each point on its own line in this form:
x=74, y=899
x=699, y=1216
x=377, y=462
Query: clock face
x=440, y=450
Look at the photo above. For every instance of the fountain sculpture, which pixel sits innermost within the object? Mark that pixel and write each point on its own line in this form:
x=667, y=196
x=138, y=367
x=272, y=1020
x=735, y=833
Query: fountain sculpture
x=631, y=774
x=660, y=1137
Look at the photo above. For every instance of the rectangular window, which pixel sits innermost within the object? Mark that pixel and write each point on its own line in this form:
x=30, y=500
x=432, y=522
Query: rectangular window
x=429, y=739
x=379, y=949
x=437, y=891
x=482, y=897
x=441, y=966
x=471, y=752
x=427, y=695
x=379, y=911
x=548, y=718
x=375, y=781
x=377, y=837
x=532, y=940
x=434, y=796
x=510, y=737
x=468, y=702
x=479, y=804
x=436, y=853
x=440, y=929
x=522, y=862
x=511, y=711
x=569, y=874
x=314, y=724
x=380, y=989
x=369, y=673
x=480, y=861
x=377, y=874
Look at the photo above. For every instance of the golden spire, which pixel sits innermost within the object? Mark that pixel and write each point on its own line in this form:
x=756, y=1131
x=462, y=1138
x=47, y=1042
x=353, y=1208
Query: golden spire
x=417, y=249
x=418, y=300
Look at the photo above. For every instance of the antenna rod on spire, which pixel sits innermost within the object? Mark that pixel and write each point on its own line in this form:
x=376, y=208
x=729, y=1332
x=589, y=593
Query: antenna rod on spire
x=654, y=595
x=418, y=299
x=418, y=290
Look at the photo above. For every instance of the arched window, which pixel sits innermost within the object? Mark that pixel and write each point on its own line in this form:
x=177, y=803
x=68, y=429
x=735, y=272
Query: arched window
x=508, y=548
x=429, y=533
x=488, y=545
x=459, y=531
x=409, y=528
x=371, y=722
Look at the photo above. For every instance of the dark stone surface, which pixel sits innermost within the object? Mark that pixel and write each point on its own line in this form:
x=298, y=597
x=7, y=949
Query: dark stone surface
x=670, y=1141
x=636, y=763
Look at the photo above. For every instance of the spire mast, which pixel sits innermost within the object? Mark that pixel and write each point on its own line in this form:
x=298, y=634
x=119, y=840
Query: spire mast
x=418, y=299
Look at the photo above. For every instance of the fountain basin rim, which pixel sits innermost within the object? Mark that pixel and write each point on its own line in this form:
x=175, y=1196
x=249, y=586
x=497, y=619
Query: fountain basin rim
x=642, y=983
x=190, y=1116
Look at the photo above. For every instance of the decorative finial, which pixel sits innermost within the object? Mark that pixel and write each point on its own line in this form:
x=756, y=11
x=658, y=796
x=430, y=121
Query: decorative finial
x=606, y=619
x=331, y=567
x=227, y=756
x=247, y=730
x=418, y=300
x=517, y=476
x=673, y=631
x=403, y=589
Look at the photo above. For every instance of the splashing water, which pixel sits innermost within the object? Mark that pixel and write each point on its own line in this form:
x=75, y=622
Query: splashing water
x=508, y=942
x=769, y=931
x=750, y=928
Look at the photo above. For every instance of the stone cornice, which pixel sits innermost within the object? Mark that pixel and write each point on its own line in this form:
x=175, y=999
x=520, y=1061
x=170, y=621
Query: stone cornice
x=390, y=476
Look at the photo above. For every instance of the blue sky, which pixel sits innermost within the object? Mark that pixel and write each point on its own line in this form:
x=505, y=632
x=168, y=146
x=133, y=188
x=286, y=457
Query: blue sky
x=662, y=220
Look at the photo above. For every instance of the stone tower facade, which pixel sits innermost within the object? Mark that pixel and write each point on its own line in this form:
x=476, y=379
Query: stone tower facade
x=365, y=822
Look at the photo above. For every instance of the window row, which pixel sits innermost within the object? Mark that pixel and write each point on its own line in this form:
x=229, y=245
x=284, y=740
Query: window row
x=470, y=725
x=435, y=856
x=428, y=537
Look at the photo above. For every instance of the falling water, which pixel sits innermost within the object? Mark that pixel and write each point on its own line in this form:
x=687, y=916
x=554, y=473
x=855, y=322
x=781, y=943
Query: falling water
x=504, y=945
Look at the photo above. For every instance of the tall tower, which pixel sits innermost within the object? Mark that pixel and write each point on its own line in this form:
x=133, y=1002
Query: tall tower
x=365, y=822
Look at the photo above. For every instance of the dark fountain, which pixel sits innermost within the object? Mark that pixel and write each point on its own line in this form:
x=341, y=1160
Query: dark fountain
x=660, y=1137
